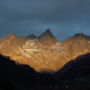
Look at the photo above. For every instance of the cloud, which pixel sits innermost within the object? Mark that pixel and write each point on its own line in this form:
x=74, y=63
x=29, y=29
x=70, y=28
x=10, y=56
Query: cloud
x=27, y=16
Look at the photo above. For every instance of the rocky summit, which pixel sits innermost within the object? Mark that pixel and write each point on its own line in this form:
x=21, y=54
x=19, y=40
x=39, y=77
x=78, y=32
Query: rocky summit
x=31, y=36
x=44, y=53
x=47, y=37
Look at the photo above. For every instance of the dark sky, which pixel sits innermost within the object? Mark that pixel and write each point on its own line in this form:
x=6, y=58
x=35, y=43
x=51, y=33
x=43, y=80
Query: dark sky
x=63, y=17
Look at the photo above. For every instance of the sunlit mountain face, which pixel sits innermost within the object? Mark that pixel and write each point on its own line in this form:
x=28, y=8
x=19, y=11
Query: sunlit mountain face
x=44, y=52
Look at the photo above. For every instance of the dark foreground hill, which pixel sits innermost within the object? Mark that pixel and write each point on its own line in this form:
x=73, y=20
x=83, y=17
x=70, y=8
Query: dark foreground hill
x=75, y=75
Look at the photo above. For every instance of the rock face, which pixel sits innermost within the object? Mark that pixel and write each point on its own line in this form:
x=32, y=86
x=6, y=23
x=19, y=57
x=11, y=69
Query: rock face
x=44, y=53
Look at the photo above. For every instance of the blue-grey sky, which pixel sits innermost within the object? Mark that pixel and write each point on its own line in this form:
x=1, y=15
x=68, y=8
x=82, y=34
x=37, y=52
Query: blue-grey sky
x=63, y=17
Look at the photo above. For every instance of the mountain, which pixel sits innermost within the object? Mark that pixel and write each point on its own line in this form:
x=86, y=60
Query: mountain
x=76, y=69
x=31, y=36
x=44, y=53
x=47, y=37
x=15, y=76
x=74, y=75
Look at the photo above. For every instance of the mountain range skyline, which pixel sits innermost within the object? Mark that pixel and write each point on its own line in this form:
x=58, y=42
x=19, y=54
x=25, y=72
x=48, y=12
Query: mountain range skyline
x=38, y=52
x=34, y=35
x=63, y=17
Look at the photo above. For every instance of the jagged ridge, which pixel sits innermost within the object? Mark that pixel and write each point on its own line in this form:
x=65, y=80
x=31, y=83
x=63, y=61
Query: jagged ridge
x=44, y=52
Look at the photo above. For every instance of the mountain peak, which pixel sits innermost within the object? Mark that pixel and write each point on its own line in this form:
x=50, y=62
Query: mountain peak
x=79, y=34
x=11, y=35
x=31, y=36
x=47, y=36
x=48, y=31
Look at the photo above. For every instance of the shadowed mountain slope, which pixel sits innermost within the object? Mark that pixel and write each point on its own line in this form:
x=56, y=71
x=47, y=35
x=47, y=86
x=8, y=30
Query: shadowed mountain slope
x=76, y=69
x=15, y=76
x=74, y=75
